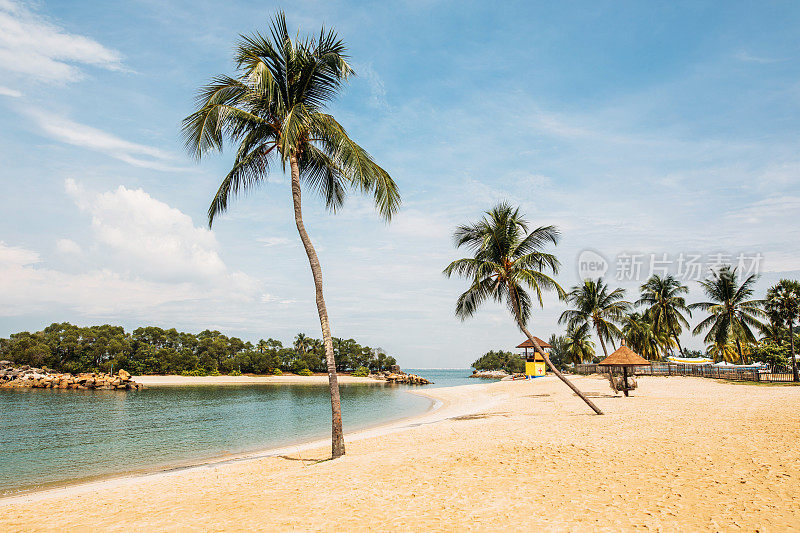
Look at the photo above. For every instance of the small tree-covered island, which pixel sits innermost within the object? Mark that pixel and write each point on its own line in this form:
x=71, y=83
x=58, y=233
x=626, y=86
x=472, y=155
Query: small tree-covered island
x=152, y=350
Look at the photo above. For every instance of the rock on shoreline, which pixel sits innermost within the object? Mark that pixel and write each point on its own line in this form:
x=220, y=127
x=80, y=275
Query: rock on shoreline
x=490, y=374
x=401, y=377
x=27, y=377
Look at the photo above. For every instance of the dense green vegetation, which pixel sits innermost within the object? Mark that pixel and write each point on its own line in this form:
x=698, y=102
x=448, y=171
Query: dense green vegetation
x=594, y=305
x=733, y=319
x=500, y=360
x=152, y=350
x=731, y=326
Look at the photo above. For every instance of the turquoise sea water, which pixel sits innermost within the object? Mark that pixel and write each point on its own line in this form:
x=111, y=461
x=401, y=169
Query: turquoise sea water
x=51, y=437
x=447, y=377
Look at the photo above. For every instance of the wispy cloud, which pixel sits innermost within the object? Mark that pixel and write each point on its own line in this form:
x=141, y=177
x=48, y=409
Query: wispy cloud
x=274, y=241
x=68, y=246
x=32, y=46
x=70, y=132
x=377, y=89
x=6, y=91
x=750, y=58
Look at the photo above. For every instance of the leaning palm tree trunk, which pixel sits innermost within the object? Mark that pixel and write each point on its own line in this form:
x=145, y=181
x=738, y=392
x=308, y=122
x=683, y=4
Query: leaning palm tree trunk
x=538, y=348
x=337, y=435
x=561, y=376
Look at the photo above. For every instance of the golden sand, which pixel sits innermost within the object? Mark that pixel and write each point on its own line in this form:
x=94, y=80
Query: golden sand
x=680, y=454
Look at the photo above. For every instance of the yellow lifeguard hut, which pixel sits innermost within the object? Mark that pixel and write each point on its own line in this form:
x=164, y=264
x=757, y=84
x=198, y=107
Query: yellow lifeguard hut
x=535, y=366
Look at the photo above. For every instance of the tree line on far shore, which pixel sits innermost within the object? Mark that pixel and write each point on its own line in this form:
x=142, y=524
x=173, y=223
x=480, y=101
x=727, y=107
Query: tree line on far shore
x=65, y=347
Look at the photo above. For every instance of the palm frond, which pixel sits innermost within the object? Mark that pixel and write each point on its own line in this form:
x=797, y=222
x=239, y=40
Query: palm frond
x=356, y=164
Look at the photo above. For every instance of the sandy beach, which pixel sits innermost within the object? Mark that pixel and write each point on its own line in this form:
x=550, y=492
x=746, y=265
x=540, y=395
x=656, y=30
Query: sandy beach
x=288, y=379
x=680, y=454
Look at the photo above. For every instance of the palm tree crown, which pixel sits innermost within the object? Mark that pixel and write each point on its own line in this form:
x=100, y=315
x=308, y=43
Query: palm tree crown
x=644, y=337
x=578, y=344
x=783, y=307
x=732, y=312
x=594, y=304
x=783, y=302
x=273, y=109
x=507, y=262
x=665, y=305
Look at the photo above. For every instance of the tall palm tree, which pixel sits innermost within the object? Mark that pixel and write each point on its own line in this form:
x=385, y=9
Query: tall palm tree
x=558, y=352
x=301, y=343
x=273, y=109
x=665, y=305
x=594, y=304
x=773, y=329
x=508, y=261
x=732, y=313
x=643, y=336
x=578, y=344
x=783, y=304
x=723, y=352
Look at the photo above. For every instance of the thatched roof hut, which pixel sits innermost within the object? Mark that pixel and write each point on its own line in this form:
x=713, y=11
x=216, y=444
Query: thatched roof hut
x=624, y=358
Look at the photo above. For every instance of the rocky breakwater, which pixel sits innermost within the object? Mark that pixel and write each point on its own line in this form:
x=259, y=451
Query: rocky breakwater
x=27, y=377
x=490, y=374
x=401, y=377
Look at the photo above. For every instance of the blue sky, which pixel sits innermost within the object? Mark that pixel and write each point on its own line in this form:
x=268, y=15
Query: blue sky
x=637, y=128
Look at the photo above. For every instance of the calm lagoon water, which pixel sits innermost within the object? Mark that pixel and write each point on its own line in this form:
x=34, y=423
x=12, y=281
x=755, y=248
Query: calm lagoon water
x=447, y=377
x=50, y=437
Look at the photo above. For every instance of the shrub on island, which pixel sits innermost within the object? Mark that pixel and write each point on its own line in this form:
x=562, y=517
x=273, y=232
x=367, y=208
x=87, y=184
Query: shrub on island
x=360, y=372
x=305, y=372
x=500, y=360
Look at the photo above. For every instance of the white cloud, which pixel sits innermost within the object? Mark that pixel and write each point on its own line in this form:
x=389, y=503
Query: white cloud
x=774, y=208
x=68, y=246
x=149, y=264
x=148, y=236
x=274, y=241
x=6, y=91
x=377, y=88
x=76, y=134
x=750, y=58
x=270, y=298
x=28, y=289
x=16, y=256
x=35, y=47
